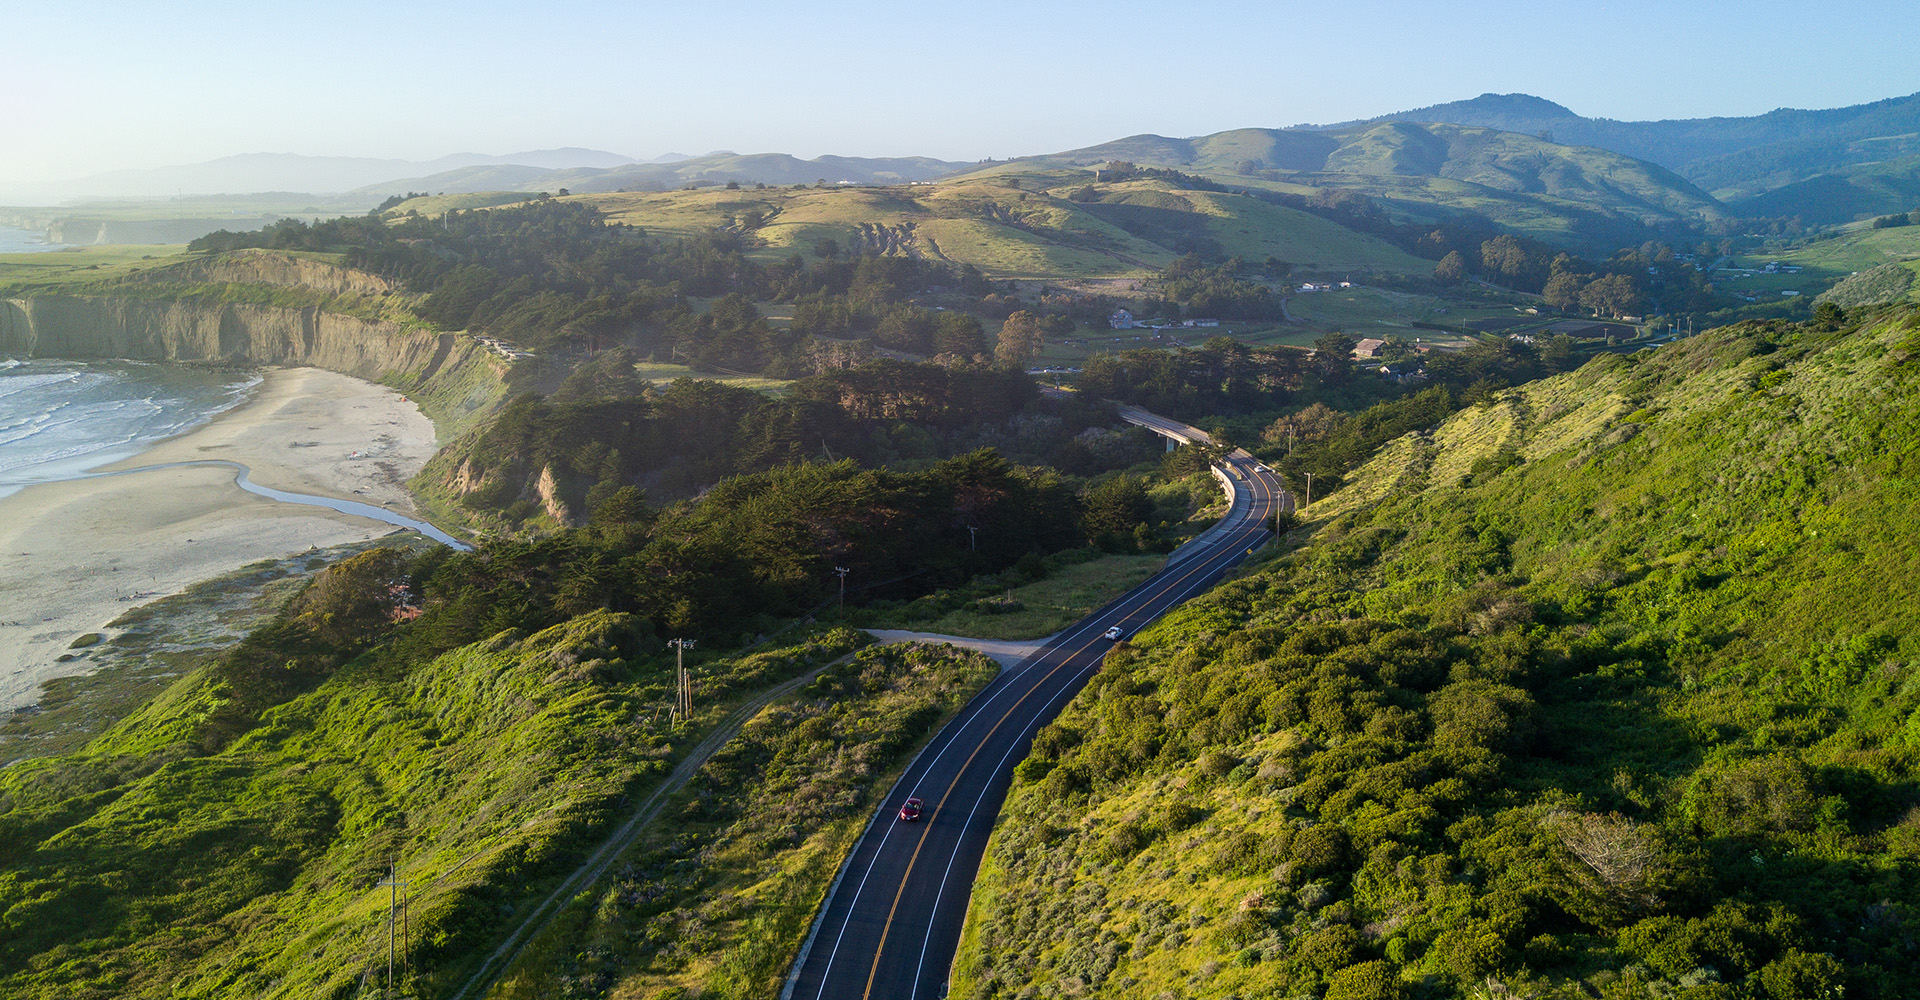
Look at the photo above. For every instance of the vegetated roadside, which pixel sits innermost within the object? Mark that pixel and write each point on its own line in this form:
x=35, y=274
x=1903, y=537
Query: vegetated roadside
x=1609, y=693
x=717, y=895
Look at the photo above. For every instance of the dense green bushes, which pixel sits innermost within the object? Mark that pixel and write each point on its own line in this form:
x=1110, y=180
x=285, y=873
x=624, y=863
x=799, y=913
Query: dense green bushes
x=1629, y=718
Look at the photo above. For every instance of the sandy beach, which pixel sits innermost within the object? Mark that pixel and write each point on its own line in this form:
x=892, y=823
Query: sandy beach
x=76, y=555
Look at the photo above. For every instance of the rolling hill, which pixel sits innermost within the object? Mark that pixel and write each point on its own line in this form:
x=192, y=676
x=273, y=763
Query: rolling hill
x=1565, y=194
x=1828, y=166
x=1008, y=229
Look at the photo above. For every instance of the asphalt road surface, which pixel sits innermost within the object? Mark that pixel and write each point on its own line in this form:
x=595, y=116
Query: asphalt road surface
x=892, y=921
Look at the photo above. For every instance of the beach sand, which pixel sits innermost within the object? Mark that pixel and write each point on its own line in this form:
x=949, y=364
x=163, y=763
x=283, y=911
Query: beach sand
x=76, y=555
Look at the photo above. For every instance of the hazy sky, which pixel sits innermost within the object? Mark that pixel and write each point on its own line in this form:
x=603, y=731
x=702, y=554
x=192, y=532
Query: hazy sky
x=94, y=85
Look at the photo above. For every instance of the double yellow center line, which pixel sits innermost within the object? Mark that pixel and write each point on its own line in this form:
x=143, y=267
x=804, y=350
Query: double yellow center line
x=887, y=928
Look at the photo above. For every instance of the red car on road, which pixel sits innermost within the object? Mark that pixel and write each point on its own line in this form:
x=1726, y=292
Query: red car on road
x=911, y=810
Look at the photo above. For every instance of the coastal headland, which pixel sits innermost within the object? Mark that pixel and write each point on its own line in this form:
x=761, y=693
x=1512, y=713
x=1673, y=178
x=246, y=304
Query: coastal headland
x=75, y=555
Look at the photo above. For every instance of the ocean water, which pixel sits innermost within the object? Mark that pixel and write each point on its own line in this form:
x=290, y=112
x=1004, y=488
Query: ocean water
x=59, y=419
x=25, y=241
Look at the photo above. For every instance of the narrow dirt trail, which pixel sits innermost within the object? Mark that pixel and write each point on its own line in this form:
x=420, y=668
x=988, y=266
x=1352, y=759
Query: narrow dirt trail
x=541, y=917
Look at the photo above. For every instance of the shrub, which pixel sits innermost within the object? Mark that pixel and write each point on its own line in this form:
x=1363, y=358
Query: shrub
x=1319, y=848
x=1800, y=975
x=1771, y=794
x=1478, y=713
x=1331, y=949
x=1366, y=981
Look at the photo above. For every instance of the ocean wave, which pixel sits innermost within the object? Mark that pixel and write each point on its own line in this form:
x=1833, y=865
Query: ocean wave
x=60, y=418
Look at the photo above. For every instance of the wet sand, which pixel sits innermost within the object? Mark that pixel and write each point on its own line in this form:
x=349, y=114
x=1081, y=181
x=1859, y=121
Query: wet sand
x=76, y=555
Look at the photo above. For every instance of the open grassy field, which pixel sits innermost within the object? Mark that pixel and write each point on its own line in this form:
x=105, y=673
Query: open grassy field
x=1856, y=248
x=82, y=265
x=440, y=204
x=1013, y=227
x=1040, y=609
x=663, y=372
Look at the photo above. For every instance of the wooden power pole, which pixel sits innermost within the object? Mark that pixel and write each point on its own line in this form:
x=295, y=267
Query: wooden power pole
x=393, y=885
x=683, y=681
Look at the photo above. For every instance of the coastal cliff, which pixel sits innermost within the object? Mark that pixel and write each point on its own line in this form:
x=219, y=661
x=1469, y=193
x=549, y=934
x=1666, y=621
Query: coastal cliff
x=186, y=330
x=270, y=267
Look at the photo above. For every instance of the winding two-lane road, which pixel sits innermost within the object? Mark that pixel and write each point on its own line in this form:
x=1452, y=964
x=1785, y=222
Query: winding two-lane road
x=891, y=922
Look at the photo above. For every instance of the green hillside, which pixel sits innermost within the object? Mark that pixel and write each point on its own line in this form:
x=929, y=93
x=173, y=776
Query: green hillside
x=1052, y=226
x=1846, y=193
x=1825, y=166
x=1608, y=689
x=1710, y=151
x=1565, y=194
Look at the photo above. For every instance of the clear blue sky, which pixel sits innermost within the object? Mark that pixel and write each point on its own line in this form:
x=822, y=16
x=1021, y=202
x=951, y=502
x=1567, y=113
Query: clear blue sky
x=93, y=85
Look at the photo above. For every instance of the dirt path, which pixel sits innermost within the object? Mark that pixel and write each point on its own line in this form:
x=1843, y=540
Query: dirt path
x=1006, y=652
x=597, y=863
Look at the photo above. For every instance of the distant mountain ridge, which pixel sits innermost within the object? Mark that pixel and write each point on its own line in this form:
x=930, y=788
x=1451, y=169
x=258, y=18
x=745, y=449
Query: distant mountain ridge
x=1434, y=171
x=1828, y=165
x=714, y=168
x=249, y=173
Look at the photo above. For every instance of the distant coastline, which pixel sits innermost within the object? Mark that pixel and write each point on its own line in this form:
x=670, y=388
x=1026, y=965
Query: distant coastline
x=26, y=241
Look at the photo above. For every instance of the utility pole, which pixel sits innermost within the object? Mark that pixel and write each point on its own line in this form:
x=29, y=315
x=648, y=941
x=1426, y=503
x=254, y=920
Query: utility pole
x=842, y=571
x=393, y=885
x=1309, y=502
x=1289, y=440
x=972, y=534
x=683, y=682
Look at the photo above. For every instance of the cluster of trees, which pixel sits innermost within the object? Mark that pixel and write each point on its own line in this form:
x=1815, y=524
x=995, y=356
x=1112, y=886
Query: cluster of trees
x=1225, y=377
x=1897, y=220
x=900, y=327
x=1218, y=290
x=1115, y=171
x=758, y=547
x=604, y=430
x=1627, y=283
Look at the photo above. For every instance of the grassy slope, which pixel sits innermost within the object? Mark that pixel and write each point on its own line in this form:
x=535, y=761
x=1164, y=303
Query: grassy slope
x=1686, y=620
x=61, y=270
x=136, y=867
x=1012, y=232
